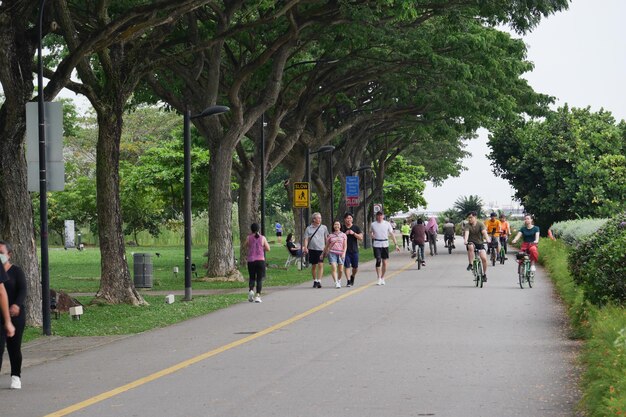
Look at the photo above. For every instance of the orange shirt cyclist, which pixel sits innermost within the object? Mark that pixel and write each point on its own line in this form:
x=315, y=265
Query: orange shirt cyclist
x=505, y=232
x=493, y=229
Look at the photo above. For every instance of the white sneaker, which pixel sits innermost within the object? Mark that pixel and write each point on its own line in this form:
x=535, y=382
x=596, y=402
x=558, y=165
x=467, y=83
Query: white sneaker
x=16, y=382
x=251, y=296
x=337, y=284
x=532, y=268
x=380, y=282
x=257, y=299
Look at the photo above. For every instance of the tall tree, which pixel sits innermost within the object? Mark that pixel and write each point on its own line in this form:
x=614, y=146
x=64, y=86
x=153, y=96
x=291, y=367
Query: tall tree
x=570, y=164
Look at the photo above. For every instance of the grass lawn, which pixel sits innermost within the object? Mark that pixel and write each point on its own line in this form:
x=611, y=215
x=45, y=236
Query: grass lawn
x=75, y=271
x=79, y=271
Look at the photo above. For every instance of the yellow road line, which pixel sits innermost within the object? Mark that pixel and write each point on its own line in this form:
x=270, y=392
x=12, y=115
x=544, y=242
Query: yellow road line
x=177, y=367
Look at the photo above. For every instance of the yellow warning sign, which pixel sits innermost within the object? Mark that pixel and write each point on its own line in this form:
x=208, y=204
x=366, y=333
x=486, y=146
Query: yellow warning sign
x=301, y=194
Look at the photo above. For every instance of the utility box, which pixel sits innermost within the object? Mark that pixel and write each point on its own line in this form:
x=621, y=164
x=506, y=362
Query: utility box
x=142, y=270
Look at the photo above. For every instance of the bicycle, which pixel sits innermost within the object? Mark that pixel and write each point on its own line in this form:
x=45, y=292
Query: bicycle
x=449, y=239
x=477, y=268
x=492, y=248
x=502, y=249
x=419, y=258
x=525, y=275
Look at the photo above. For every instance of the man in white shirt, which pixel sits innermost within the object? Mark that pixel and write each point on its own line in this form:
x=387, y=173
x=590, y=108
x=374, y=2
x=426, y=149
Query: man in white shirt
x=380, y=232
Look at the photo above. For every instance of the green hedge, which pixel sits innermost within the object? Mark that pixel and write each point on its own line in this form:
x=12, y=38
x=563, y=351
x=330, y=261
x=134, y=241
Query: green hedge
x=575, y=231
x=603, y=355
x=598, y=263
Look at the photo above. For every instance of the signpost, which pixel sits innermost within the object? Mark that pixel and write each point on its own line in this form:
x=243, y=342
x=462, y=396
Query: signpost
x=301, y=200
x=352, y=191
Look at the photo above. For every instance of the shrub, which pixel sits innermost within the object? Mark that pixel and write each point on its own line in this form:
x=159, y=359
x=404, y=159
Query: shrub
x=598, y=263
x=574, y=232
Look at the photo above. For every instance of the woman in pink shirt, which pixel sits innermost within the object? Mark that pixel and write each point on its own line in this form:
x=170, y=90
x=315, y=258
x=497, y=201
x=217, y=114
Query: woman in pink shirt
x=256, y=245
x=336, y=245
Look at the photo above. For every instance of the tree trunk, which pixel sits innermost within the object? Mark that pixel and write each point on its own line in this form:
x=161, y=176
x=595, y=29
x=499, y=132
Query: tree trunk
x=115, y=283
x=16, y=211
x=249, y=191
x=221, y=262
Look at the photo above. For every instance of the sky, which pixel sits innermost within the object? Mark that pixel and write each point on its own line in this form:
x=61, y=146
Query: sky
x=580, y=59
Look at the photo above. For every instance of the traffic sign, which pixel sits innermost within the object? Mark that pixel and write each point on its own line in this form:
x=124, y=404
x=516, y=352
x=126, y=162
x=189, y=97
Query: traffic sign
x=352, y=186
x=352, y=201
x=377, y=207
x=301, y=194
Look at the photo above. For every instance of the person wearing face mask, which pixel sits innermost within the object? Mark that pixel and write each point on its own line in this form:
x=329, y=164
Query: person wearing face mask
x=16, y=293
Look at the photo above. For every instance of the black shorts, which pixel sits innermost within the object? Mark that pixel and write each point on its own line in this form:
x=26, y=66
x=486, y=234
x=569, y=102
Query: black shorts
x=381, y=253
x=477, y=246
x=314, y=257
x=279, y=234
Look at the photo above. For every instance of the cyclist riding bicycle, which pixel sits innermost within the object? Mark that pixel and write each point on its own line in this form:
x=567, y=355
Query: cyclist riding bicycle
x=530, y=233
x=505, y=232
x=448, y=233
x=493, y=230
x=474, y=235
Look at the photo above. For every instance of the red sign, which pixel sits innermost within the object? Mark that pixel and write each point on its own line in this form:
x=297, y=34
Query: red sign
x=352, y=201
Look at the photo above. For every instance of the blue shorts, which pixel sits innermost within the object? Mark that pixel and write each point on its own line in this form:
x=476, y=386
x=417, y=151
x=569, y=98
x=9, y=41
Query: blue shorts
x=352, y=260
x=335, y=258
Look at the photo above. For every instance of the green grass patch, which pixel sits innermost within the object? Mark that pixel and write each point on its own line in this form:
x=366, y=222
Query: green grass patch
x=604, y=331
x=79, y=271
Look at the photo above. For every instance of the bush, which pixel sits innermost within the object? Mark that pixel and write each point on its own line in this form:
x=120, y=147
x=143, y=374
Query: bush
x=574, y=232
x=598, y=263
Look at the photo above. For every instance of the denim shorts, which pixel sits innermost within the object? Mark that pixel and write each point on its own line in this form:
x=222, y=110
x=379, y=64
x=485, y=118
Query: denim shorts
x=335, y=258
x=352, y=260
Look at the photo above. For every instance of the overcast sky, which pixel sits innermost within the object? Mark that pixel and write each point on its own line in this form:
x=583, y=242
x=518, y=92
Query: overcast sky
x=580, y=58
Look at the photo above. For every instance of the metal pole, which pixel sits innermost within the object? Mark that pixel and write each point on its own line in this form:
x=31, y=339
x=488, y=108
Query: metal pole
x=301, y=242
x=364, y=212
x=307, y=176
x=332, y=199
x=43, y=188
x=263, y=174
x=187, y=201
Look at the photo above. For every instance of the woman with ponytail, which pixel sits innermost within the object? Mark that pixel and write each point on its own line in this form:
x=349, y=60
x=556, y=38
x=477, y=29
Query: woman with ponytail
x=256, y=245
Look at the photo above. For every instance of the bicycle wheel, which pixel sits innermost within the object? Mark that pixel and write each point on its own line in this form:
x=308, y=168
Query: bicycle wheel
x=481, y=277
x=521, y=275
x=418, y=259
x=450, y=243
x=477, y=279
x=529, y=277
x=502, y=255
x=493, y=257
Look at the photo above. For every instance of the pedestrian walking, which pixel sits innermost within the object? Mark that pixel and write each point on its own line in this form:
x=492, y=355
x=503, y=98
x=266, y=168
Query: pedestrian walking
x=354, y=234
x=314, y=242
x=256, y=245
x=335, y=249
x=16, y=294
x=432, y=228
x=380, y=232
x=279, y=232
x=406, y=232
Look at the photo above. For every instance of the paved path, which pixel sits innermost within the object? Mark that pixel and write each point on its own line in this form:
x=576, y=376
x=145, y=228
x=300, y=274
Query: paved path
x=427, y=343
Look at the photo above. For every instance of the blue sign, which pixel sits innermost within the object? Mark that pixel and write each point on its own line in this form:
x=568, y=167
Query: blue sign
x=352, y=186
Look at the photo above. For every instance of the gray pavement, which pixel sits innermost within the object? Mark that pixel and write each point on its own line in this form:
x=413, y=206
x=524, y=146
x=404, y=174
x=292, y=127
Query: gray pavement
x=427, y=343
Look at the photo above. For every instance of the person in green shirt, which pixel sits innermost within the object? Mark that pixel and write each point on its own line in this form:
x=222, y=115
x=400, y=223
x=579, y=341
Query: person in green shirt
x=406, y=232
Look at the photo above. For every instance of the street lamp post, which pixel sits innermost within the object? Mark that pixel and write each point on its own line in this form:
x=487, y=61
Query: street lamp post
x=364, y=168
x=321, y=149
x=187, y=183
x=43, y=187
x=263, y=174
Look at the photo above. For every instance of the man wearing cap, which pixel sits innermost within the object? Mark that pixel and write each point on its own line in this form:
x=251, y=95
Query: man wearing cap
x=380, y=232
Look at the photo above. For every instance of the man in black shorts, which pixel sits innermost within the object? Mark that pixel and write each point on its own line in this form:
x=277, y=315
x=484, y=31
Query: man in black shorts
x=474, y=235
x=351, y=263
x=314, y=242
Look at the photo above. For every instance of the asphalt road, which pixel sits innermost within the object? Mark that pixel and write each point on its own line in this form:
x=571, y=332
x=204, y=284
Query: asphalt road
x=428, y=343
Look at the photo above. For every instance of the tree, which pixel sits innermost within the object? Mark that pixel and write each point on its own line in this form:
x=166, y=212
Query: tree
x=570, y=164
x=466, y=204
x=404, y=185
